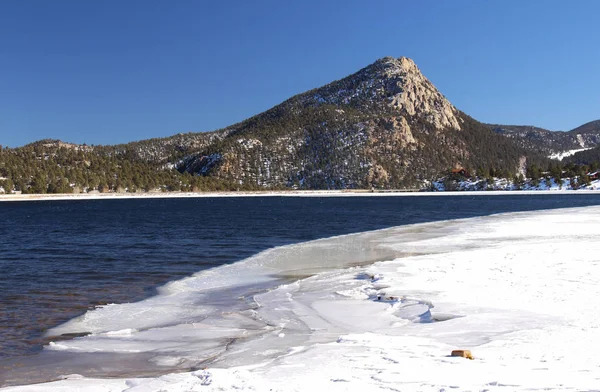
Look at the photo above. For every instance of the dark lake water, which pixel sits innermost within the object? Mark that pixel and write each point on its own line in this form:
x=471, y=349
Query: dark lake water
x=60, y=258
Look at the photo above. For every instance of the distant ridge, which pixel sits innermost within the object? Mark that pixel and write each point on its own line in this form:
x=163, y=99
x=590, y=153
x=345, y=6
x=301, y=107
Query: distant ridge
x=551, y=142
x=590, y=127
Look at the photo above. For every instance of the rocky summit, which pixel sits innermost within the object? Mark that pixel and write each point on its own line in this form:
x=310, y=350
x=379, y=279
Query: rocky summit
x=397, y=83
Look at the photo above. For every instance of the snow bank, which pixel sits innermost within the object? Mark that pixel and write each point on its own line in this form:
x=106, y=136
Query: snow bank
x=563, y=154
x=549, y=186
x=519, y=290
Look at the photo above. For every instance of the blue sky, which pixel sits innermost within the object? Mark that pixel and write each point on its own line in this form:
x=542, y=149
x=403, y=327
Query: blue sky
x=105, y=72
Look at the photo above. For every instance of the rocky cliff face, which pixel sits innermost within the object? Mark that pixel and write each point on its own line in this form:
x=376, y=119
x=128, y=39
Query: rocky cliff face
x=396, y=83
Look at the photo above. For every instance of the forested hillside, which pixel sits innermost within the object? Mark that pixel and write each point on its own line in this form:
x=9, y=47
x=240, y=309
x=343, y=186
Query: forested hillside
x=55, y=167
x=588, y=157
x=551, y=142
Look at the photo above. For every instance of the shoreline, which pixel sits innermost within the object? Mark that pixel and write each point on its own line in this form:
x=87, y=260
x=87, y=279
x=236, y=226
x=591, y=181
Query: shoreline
x=362, y=248
x=293, y=193
x=395, y=344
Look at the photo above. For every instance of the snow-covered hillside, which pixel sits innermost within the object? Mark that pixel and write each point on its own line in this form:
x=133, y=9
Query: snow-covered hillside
x=503, y=184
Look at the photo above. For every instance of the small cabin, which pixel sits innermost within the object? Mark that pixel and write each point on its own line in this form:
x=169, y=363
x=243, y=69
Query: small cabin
x=461, y=172
x=594, y=176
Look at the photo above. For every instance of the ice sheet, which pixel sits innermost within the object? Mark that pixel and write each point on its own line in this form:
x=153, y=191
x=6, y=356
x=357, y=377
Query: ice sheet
x=194, y=320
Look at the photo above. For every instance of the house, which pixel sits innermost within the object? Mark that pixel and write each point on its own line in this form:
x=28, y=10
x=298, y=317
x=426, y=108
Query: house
x=461, y=172
x=594, y=176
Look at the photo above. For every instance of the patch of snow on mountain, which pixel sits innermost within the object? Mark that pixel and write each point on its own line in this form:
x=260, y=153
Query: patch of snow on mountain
x=561, y=155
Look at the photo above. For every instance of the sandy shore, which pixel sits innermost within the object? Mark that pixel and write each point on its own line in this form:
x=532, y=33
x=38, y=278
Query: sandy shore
x=321, y=193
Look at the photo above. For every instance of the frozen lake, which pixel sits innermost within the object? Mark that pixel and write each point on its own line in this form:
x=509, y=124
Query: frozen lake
x=289, y=298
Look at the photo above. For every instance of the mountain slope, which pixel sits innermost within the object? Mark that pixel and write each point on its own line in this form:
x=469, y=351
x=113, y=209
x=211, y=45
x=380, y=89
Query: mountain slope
x=592, y=127
x=384, y=126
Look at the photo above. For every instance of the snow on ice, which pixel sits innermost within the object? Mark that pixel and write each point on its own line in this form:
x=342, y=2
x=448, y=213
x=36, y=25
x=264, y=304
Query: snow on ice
x=520, y=290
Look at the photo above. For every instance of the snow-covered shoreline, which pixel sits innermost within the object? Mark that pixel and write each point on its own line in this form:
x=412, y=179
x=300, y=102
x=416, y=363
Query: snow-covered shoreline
x=518, y=289
x=316, y=193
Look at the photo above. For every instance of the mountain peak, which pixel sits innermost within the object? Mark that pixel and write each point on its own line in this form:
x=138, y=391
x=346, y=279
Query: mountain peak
x=400, y=62
x=394, y=83
x=390, y=66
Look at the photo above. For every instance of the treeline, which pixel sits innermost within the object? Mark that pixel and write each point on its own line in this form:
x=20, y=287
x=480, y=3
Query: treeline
x=44, y=168
x=578, y=175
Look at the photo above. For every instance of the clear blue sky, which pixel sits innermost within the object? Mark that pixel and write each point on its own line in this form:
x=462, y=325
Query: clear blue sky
x=104, y=72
